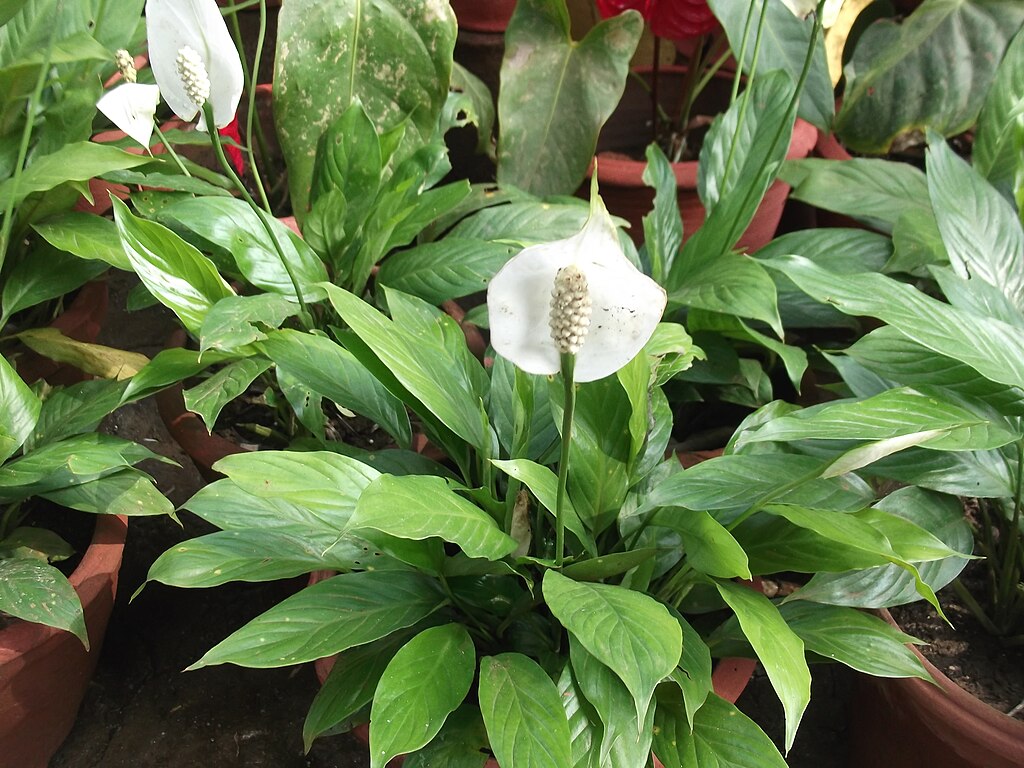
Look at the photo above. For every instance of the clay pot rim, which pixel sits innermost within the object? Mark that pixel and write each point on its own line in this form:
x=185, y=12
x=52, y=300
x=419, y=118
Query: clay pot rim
x=103, y=556
x=947, y=697
x=480, y=16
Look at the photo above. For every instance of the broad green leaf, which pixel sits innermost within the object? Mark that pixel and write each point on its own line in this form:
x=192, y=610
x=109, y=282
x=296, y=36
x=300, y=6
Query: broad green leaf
x=624, y=741
x=46, y=274
x=663, y=226
x=877, y=192
x=993, y=151
x=522, y=710
x=722, y=736
x=80, y=161
x=983, y=474
x=9, y=8
x=524, y=223
x=629, y=632
x=931, y=71
x=211, y=395
x=424, y=683
x=169, y=182
x=556, y=93
x=20, y=411
x=232, y=322
x=178, y=275
x=543, y=483
x=979, y=227
x=392, y=56
x=76, y=408
x=323, y=483
x=349, y=161
x=694, y=673
x=107, y=362
x=420, y=507
x=37, y=592
x=447, y=269
x=991, y=347
x=780, y=650
x=786, y=39
x=584, y=724
x=461, y=743
x=329, y=617
x=673, y=741
x=890, y=415
x=128, y=492
x=170, y=366
x=235, y=227
x=421, y=366
x=732, y=283
x=710, y=548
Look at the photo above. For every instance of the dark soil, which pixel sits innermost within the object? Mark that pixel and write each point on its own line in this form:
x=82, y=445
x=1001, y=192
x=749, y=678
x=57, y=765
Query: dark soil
x=967, y=654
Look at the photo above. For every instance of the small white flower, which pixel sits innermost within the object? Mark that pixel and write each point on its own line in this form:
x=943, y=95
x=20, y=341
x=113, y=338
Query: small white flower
x=172, y=25
x=132, y=108
x=542, y=294
x=126, y=65
x=193, y=76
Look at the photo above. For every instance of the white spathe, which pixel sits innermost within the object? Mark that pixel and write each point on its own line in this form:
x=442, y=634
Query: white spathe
x=132, y=108
x=175, y=24
x=626, y=304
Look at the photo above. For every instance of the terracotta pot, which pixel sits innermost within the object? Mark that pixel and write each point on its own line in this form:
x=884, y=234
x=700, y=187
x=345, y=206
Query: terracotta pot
x=911, y=723
x=44, y=671
x=483, y=15
x=82, y=320
x=620, y=176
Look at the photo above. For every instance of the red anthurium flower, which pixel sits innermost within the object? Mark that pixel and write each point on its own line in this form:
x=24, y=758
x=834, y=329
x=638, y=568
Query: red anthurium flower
x=233, y=152
x=672, y=19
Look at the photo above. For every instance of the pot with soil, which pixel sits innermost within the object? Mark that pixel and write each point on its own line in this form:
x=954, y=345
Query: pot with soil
x=44, y=671
x=620, y=162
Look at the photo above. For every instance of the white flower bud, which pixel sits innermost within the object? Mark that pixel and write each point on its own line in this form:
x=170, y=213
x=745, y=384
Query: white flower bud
x=570, y=310
x=194, y=78
x=126, y=66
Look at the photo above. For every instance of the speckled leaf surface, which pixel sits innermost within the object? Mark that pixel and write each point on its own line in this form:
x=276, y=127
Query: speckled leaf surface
x=393, y=56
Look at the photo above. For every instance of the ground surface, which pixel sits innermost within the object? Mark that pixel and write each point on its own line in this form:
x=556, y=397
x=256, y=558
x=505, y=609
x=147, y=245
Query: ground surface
x=143, y=711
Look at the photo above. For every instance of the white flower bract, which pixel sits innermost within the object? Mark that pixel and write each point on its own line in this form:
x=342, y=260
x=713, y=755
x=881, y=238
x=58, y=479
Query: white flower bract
x=172, y=25
x=132, y=108
x=626, y=305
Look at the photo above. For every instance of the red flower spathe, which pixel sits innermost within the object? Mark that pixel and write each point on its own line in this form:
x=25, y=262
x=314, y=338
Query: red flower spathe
x=672, y=19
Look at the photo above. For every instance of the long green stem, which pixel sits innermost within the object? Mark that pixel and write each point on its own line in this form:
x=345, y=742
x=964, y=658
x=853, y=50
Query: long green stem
x=568, y=370
x=744, y=105
x=1010, y=571
x=743, y=51
x=262, y=215
x=170, y=150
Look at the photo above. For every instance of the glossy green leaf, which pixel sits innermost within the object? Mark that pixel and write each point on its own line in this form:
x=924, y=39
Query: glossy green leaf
x=20, y=411
x=178, y=275
x=663, y=226
x=979, y=227
x=522, y=710
x=170, y=366
x=235, y=227
x=693, y=675
x=237, y=321
x=461, y=743
x=392, y=56
x=931, y=71
x=46, y=274
x=210, y=396
x=993, y=348
x=37, y=592
x=76, y=408
x=447, y=269
x=524, y=223
x=424, y=683
x=549, y=124
x=780, y=650
x=710, y=548
x=350, y=161
x=629, y=632
x=328, y=617
x=420, y=507
x=993, y=150
x=128, y=492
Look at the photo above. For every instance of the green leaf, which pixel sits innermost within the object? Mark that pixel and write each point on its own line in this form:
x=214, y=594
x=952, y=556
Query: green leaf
x=128, y=492
x=170, y=366
x=629, y=632
x=96, y=359
x=235, y=227
x=780, y=650
x=419, y=507
x=447, y=269
x=663, y=226
x=80, y=161
x=877, y=192
x=46, y=274
x=349, y=161
x=522, y=710
x=786, y=39
x=328, y=617
x=178, y=275
x=325, y=484
x=931, y=71
x=722, y=736
x=209, y=397
x=710, y=548
x=392, y=56
x=993, y=151
x=556, y=94
x=524, y=223
x=75, y=409
x=232, y=322
x=419, y=364
x=991, y=347
x=694, y=673
x=20, y=411
x=424, y=683
x=461, y=743
x=979, y=227
x=35, y=591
